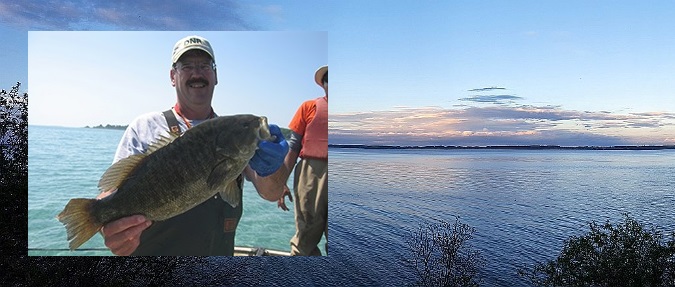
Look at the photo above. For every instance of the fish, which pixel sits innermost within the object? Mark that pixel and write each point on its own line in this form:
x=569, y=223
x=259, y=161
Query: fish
x=175, y=174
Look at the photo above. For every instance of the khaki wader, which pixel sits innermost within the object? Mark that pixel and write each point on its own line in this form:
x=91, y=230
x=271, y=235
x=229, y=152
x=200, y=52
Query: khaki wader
x=310, y=187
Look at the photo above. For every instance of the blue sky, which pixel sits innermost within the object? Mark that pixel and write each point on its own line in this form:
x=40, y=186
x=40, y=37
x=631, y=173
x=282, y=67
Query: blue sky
x=446, y=72
x=111, y=77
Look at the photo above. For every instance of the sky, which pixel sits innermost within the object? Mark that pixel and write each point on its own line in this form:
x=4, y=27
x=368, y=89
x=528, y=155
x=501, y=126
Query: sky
x=111, y=77
x=403, y=72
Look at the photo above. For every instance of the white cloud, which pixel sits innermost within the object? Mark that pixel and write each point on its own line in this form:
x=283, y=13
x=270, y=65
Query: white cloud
x=524, y=124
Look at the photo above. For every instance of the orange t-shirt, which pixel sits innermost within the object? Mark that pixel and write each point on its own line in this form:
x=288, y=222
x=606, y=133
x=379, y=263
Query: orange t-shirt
x=302, y=117
x=314, y=137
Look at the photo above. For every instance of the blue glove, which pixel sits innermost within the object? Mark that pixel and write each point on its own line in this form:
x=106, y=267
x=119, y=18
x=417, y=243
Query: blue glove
x=270, y=155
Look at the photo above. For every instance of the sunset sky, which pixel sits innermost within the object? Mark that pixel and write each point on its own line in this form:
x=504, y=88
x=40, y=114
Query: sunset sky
x=411, y=72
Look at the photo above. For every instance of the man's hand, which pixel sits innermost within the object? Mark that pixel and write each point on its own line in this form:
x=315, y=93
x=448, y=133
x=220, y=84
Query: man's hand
x=123, y=236
x=281, y=203
x=270, y=154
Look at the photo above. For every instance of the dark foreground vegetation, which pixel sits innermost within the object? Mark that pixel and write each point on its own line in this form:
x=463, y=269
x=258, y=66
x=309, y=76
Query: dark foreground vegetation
x=442, y=255
x=13, y=170
x=13, y=137
x=625, y=254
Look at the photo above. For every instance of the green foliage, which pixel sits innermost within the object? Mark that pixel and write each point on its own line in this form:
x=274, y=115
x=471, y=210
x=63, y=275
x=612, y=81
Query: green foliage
x=622, y=255
x=442, y=255
x=13, y=138
x=109, y=126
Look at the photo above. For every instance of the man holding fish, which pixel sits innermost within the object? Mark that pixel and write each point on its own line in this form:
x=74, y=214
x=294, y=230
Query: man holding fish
x=176, y=195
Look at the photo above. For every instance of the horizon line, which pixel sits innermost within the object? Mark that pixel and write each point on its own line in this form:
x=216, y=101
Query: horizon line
x=534, y=146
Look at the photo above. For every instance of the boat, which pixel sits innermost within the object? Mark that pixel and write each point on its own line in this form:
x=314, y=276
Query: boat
x=258, y=251
x=238, y=251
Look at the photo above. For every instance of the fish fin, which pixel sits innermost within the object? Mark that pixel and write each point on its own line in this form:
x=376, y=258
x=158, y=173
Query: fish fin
x=231, y=194
x=79, y=222
x=217, y=176
x=113, y=177
x=216, y=181
x=161, y=142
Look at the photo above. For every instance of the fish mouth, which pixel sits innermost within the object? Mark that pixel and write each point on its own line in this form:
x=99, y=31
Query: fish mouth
x=264, y=130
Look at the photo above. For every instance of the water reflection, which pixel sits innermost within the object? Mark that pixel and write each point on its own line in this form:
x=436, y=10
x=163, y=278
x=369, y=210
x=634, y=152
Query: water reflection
x=522, y=204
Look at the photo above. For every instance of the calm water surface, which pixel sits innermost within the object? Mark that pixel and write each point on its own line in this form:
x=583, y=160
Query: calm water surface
x=65, y=163
x=523, y=205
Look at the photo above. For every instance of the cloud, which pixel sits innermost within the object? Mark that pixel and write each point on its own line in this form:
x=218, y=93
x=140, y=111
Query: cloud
x=131, y=15
x=496, y=99
x=495, y=125
x=486, y=89
x=493, y=99
x=562, y=138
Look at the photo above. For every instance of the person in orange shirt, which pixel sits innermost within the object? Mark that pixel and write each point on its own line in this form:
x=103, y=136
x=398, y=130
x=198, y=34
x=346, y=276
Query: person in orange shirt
x=309, y=141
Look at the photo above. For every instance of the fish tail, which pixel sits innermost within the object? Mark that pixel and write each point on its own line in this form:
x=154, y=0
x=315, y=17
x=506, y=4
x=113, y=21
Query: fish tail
x=80, y=224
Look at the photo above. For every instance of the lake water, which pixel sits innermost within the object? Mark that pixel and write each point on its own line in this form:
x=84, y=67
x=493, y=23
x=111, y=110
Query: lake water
x=523, y=205
x=65, y=163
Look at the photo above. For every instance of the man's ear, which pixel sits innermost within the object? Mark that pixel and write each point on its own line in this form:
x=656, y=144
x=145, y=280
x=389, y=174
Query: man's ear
x=172, y=75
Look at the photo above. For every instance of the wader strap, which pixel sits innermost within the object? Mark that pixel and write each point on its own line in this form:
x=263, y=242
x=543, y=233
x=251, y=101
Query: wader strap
x=172, y=121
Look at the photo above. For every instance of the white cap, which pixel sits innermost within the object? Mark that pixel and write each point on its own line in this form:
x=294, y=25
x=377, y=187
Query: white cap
x=319, y=74
x=189, y=43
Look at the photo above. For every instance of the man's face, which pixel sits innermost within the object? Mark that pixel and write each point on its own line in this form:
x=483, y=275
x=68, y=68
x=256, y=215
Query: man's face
x=194, y=78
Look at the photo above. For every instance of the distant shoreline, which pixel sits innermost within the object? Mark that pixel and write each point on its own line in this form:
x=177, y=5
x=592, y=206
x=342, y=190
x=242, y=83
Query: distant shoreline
x=110, y=127
x=510, y=147
x=285, y=131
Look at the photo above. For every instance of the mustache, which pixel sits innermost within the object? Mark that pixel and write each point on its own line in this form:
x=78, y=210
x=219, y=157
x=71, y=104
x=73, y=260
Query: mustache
x=198, y=80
